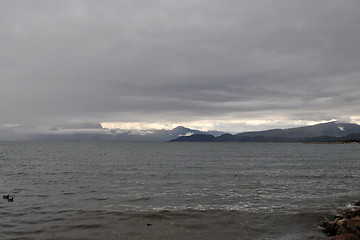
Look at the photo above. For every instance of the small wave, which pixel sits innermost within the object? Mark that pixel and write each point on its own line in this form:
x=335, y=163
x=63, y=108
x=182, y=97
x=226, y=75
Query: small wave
x=36, y=195
x=156, y=216
x=85, y=226
x=138, y=199
x=350, y=206
x=97, y=199
x=68, y=193
x=64, y=211
x=6, y=225
x=24, y=232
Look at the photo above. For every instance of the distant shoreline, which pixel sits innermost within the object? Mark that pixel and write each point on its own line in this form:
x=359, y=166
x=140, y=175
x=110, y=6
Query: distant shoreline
x=355, y=142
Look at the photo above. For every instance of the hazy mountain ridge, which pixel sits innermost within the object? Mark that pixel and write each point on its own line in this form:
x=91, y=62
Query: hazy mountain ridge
x=325, y=132
x=150, y=135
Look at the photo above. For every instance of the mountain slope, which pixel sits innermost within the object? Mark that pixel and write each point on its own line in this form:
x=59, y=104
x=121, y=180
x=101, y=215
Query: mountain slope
x=332, y=131
x=124, y=135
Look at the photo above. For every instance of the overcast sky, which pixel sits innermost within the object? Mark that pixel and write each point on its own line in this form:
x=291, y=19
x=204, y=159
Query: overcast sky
x=230, y=65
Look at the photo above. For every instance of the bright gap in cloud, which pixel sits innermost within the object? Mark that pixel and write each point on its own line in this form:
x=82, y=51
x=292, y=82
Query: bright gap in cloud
x=355, y=119
x=219, y=125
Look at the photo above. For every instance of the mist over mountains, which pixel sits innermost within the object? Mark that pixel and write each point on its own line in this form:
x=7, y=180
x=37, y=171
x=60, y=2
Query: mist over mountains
x=326, y=132
x=95, y=132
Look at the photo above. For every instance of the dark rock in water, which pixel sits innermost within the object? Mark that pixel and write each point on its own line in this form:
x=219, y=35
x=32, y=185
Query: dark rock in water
x=330, y=227
x=345, y=237
x=357, y=204
x=345, y=226
x=352, y=213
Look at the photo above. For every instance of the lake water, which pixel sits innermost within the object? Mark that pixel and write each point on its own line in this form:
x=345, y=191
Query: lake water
x=116, y=190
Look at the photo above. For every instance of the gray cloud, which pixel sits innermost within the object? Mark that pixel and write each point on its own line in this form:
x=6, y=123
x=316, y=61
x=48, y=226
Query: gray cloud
x=95, y=61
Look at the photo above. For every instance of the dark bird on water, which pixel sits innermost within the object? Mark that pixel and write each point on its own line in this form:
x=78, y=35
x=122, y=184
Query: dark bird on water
x=8, y=197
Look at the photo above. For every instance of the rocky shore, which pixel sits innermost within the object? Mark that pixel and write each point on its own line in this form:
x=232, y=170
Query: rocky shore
x=344, y=226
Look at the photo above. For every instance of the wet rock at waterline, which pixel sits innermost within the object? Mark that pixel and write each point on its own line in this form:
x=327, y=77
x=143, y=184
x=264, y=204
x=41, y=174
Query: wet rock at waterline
x=344, y=226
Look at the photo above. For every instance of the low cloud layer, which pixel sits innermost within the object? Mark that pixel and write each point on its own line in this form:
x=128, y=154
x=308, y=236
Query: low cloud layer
x=168, y=61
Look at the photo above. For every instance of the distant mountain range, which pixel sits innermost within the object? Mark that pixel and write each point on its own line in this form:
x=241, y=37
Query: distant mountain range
x=326, y=132
x=122, y=135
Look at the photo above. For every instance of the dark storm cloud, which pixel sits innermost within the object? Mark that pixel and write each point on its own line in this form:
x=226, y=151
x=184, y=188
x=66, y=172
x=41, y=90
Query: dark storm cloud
x=81, y=61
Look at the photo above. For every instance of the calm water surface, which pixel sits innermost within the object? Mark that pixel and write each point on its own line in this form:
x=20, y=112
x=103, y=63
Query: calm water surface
x=98, y=190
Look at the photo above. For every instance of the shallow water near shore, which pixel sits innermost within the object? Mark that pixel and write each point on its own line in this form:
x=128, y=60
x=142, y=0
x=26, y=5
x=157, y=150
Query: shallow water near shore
x=114, y=190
